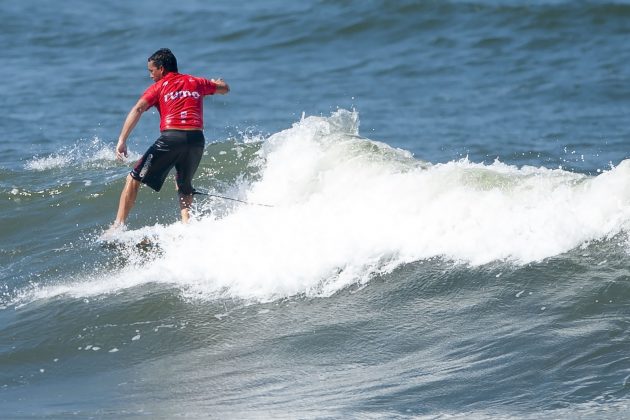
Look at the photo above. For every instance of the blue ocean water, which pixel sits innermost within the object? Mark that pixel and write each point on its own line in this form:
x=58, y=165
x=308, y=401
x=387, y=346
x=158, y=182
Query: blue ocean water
x=446, y=190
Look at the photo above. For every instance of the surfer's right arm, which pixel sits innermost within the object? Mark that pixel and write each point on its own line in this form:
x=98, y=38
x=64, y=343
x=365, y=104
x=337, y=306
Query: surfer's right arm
x=130, y=122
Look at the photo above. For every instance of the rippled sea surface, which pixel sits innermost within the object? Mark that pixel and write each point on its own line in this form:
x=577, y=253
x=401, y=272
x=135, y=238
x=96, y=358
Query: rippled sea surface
x=415, y=209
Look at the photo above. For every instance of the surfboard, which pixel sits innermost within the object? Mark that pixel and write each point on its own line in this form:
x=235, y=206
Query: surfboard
x=145, y=244
x=126, y=240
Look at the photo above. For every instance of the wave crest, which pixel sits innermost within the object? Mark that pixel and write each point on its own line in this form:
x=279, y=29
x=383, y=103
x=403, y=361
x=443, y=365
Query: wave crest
x=346, y=208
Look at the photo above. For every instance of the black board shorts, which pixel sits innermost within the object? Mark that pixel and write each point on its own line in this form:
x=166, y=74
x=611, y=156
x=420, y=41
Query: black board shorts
x=181, y=149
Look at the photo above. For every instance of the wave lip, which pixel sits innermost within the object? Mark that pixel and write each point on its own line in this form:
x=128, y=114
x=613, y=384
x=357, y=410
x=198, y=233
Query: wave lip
x=347, y=208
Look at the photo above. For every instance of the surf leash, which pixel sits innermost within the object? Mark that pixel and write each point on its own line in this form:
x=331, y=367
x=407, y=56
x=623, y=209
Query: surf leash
x=195, y=192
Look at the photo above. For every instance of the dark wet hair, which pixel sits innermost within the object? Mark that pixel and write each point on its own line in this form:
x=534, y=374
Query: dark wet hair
x=164, y=58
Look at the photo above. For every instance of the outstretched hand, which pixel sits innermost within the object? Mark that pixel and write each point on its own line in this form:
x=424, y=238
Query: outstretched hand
x=222, y=87
x=121, y=151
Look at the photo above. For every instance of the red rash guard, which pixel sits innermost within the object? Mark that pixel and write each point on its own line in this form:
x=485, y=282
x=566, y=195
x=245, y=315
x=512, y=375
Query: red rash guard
x=179, y=100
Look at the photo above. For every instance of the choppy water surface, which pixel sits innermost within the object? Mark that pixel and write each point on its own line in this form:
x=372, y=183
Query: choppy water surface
x=437, y=221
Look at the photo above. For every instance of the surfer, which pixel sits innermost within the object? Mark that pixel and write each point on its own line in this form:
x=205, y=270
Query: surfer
x=179, y=100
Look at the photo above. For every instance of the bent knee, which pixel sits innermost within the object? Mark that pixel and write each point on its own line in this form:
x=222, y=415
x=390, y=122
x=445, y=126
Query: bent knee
x=131, y=181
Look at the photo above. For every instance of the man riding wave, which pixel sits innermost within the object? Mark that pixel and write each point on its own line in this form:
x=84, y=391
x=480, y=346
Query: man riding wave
x=179, y=100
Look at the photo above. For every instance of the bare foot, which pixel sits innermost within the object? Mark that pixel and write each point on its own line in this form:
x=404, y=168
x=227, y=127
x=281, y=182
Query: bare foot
x=112, y=232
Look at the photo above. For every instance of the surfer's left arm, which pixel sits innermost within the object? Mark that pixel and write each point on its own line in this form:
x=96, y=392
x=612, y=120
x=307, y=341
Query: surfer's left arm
x=130, y=122
x=222, y=86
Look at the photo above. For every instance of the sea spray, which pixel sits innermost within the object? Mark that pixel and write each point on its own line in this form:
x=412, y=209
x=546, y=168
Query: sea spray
x=343, y=213
x=89, y=153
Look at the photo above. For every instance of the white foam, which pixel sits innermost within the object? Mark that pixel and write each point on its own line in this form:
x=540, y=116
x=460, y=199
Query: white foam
x=347, y=208
x=48, y=162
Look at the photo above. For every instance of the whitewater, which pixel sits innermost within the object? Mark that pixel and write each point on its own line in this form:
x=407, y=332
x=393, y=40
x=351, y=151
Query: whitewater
x=339, y=209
